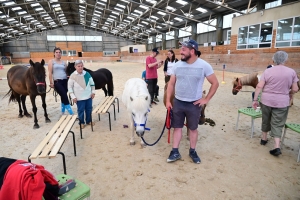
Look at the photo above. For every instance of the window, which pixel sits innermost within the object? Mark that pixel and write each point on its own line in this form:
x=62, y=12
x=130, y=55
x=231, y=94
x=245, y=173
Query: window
x=255, y=36
x=185, y=31
x=71, y=53
x=228, y=39
x=288, y=32
x=64, y=53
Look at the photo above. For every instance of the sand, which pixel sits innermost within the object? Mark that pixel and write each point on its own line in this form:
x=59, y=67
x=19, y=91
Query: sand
x=234, y=166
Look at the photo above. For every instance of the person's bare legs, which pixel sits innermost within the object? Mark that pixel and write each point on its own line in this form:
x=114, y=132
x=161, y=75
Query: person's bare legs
x=177, y=135
x=193, y=138
x=277, y=143
x=264, y=135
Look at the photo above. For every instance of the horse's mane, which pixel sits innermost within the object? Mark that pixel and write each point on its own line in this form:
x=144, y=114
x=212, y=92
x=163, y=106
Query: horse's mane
x=246, y=80
x=139, y=93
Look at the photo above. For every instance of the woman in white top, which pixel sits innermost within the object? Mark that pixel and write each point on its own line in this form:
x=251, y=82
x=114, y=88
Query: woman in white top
x=169, y=63
x=59, y=80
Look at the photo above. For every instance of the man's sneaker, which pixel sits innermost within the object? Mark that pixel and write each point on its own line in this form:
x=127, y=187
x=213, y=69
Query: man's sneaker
x=156, y=99
x=174, y=156
x=153, y=102
x=195, y=157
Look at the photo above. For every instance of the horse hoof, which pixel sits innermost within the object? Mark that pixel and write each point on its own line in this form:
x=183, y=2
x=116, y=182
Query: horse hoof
x=132, y=143
x=36, y=126
x=28, y=115
x=20, y=116
x=48, y=120
x=143, y=145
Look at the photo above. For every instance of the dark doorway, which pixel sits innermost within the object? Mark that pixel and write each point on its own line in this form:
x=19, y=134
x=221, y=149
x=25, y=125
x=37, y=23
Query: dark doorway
x=79, y=54
x=130, y=49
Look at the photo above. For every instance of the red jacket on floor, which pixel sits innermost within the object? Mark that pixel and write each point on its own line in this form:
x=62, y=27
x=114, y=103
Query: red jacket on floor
x=25, y=181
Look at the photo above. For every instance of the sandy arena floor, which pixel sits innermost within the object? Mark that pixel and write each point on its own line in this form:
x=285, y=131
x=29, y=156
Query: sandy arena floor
x=234, y=166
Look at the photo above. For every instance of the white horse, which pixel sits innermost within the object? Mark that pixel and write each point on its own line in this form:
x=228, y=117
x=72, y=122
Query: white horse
x=136, y=98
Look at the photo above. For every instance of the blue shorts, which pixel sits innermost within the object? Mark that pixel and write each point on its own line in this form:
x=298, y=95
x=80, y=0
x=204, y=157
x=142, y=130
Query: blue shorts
x=182, y=110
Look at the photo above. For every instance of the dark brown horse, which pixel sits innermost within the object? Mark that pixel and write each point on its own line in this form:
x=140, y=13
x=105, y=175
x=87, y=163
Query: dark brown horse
x=30, y=81
x=101, y=77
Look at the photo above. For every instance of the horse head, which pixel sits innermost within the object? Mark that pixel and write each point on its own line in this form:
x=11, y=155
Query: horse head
x=237, y=86
x=139, y=112
x=38, y=73
x=70, y=68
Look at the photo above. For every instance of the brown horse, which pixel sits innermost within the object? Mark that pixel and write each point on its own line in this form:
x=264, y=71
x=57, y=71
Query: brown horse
x=30, y=81
x=249, y=80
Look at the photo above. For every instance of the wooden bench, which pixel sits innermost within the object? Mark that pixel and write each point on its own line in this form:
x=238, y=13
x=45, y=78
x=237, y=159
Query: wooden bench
x=50, y=146
x=103, y=107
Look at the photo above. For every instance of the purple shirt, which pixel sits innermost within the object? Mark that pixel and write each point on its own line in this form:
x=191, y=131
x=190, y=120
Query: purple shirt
x=278, y=81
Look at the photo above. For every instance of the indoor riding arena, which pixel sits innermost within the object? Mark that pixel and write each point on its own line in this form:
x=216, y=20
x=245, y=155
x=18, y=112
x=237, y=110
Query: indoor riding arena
x=236, y=38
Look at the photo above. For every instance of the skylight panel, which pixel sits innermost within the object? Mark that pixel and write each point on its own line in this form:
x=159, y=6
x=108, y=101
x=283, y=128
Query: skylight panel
x=9, y=3
x=57, y=9
x=178, y=19
x=125, y=1
x=55, y=5
x=113, y=16
x=104, y=0
x=119, y=9
x=107, y=23
x=97, y=11
x=137, y=11
x=135, y=14
x=201, y=10
x=154, y=17
x=181, y=2
x=16, y=8
x=170, y=8
x=39, y=9
x=11, y=19
x=80, y=6
x=152, y=1
x=188, y=15
x=35, y=5
x=22, y=12
x=158, y=27
x=161, y=13
x=125, y=20
x=3, y=16
x=82, y=1
x=101, y=3
x=96, y=15
x=110, y=19
x=140, y=25
x=144, y=7
x=122, y=6
x=145, y=22
x=116, y=13
x=130, y=18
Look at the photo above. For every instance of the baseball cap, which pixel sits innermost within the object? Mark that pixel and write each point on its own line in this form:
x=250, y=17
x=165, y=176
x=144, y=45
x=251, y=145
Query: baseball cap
x=190, y=43
x=155, y=50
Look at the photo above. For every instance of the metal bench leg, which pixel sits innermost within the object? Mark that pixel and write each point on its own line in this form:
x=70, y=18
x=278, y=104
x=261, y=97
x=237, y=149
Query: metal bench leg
x=118, y=103
x=283, y=136
x=80, y=128
x=298, y=155
x=73, y=142
x=114, y=112
x=237, y=121
x=92, y=123
x=252, y=126
x=99, y=117
x=64, y=161
x=109, y=120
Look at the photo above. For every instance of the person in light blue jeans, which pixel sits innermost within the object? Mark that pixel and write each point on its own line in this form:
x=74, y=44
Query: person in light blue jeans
x=81, y=87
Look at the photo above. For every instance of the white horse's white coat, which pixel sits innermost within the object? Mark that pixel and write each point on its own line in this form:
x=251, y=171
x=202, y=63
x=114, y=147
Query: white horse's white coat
x=136, y=98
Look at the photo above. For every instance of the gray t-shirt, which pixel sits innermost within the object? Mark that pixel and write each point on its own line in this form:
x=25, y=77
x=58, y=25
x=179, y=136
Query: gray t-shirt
x=190, y=78
x=58, y=70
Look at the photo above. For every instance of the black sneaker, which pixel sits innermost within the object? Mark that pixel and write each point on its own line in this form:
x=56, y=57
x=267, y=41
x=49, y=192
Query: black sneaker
x=275, y=152
x=173, y=156
x=156, y=99
x=195, y=157
x=263, y=142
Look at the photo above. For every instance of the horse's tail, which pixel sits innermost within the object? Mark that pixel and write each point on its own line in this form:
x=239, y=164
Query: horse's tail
x=110, y=84
x=12, y=98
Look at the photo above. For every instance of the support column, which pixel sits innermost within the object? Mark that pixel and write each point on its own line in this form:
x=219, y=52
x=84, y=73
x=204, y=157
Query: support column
x=176, y=34
x=163, y=41
x=260, y=5
x=194, y=31
x=154, y=41
x=219, y=32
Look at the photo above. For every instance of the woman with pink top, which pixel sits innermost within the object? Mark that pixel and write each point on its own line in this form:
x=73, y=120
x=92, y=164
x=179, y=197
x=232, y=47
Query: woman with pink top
x=278, y=84
x=151, y=72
